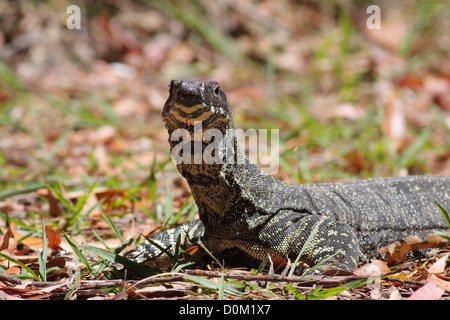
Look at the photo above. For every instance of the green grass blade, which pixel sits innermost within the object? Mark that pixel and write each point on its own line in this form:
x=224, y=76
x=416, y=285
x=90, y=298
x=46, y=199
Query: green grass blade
x=76, y=214
x=61, y=198
x=407, y=157
x=78, y=253
x=305, y=245
x=114, y=257
x=176, y=254
x=28, y=189
x=100, y=239
x=23, y=266
x=111, y=225
x=7, y=76
x=444, y=212
x=295, y=292
x=75, y=283
x=42, y=256
x=211, y=285
x=221, y=287
x=191, y=15
x=262, y=265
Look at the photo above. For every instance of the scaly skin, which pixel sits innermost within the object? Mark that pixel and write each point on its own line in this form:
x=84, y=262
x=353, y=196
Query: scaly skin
x=246, y=215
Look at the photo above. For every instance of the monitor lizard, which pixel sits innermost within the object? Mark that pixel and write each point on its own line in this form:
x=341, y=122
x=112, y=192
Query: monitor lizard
x=247, y=215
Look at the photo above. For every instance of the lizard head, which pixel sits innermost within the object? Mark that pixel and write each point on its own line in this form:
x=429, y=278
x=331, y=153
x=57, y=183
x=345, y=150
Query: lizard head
x=194, y=100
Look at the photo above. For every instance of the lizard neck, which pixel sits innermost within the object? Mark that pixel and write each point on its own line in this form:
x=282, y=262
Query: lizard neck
x=215, y=170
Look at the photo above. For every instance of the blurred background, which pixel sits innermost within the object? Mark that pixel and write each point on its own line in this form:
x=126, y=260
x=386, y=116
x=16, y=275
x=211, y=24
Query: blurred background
x=82, y=107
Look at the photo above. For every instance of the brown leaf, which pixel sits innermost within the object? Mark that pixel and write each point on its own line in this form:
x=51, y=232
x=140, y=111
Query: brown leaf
x=337, y=272
x=191, y=251
x=5, y=296
x=7, y=236
x=56, y=262
x=53, y=238
x=278, y=262
x=32, y=242
x=55, y=210
x=12, y=270
x=355, y=160
x=398, y=250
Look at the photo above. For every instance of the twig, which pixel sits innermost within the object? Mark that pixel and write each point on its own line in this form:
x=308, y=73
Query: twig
x=10, y=279
x=325, y=281
x=306, y=281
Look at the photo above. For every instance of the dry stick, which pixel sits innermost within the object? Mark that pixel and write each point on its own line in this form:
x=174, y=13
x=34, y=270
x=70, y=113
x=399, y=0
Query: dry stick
x=326, y=281
x=307, y=281
x=10, y=279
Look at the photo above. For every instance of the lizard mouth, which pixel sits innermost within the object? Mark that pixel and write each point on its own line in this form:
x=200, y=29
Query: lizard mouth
x=189, y=100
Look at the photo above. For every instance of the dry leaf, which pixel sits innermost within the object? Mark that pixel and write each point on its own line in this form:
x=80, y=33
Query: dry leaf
x=375, y=267
x=32, y=241
x=53, y=238
x=7, y=236
x=443, y=284
x=397, y=252
x=5, y=296
x=439, y=265
x=12, y=270
x=430, y=291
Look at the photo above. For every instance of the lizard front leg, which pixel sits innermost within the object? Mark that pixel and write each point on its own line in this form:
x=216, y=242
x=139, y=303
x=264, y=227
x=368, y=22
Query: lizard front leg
x=325, y=241
x=317, y=239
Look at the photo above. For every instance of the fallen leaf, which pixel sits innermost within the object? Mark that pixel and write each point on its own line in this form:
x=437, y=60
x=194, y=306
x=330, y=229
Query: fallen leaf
x=12, y=270
x=191, y=251
x=430, y=291
x=56, y=262
x=397, y=252
x=443, y=284
x=49, y=289
x=7, y=236
x=32, y=241
x=439, y=265
x=375, y=267
x=5, y=296
x=54, y=209
x=53, y=238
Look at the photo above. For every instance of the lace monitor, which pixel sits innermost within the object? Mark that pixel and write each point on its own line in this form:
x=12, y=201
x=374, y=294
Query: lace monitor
x=246, y=215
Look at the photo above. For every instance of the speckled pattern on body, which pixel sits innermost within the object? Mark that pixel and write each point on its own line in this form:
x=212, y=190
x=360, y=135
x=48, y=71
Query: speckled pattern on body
x=246, y=215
